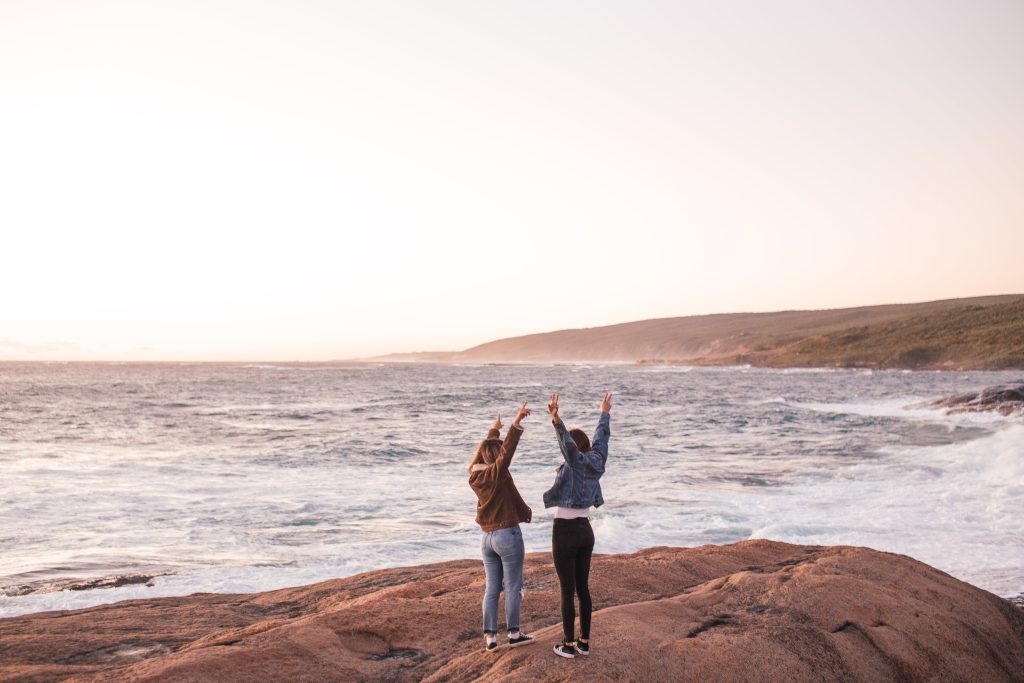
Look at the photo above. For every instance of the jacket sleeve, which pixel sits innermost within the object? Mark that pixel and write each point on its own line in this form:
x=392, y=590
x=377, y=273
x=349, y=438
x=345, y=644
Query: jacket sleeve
x=596, y=457
x=566, y=444
x=508, y=447
x=601, y=435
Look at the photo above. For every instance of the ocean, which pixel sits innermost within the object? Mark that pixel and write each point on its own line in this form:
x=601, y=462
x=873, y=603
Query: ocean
x=247, y=477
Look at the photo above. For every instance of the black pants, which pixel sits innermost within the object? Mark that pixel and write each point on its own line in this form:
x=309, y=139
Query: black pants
x=572, y=544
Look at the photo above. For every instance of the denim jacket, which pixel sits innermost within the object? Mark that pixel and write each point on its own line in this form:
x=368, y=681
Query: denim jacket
x=577, y=484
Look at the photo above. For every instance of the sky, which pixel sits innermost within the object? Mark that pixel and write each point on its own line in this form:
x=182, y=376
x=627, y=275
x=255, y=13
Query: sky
x=309, y=180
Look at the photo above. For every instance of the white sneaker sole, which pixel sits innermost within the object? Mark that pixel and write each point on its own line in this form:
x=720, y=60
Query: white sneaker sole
x=563, y=654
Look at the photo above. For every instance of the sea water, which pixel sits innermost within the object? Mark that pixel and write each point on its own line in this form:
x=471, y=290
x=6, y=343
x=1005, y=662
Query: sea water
x=237, y=478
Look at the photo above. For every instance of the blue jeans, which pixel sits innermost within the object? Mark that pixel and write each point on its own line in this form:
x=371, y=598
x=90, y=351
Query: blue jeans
x=503, y=552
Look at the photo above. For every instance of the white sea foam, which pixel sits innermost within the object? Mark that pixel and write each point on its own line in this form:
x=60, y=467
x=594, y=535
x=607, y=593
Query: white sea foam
x=957, y=507
x=662, y=369
x=810, y=371
x=774, y=400
x=906, y=408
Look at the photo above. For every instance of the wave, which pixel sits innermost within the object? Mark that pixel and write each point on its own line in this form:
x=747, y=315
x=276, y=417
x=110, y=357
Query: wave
x=902, y=408
x=957, y=504
x=774, y=400
x=667, y=369
x=809, y=371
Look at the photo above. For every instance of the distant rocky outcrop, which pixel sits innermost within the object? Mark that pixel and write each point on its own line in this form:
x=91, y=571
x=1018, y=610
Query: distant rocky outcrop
x=1005, y=399
x=750, y=611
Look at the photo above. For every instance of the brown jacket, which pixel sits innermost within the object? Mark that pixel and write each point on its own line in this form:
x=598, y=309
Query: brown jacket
x=499, y=504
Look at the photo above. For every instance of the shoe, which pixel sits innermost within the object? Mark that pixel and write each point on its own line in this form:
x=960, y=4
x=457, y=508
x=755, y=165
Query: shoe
x=492, y=646
x=582, y=648
x=521, y=639
x=565, y=650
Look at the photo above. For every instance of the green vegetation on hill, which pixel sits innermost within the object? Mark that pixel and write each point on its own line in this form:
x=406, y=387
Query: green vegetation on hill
x=979, y=332
x=975, y=333
x=966, y=337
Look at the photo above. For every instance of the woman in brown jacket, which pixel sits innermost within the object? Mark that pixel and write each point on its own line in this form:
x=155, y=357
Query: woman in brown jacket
x=499, y=511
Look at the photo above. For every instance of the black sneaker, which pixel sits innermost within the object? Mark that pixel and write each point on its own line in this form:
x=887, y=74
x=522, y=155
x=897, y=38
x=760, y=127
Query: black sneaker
x=565, y=650
x=582, y=648
x=521, y=639
x=492, y=646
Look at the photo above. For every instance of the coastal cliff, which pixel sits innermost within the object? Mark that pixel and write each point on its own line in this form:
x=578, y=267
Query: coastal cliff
x=750, y=611
x=980, y=333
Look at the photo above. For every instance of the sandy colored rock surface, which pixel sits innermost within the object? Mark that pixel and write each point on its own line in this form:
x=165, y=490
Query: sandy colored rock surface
x=750, y=611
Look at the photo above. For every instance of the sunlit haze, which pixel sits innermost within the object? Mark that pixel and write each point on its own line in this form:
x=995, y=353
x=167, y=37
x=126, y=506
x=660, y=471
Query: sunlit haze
x=323, y=180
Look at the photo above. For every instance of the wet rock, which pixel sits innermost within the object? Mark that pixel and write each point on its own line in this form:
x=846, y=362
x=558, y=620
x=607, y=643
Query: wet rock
x=1005, y=399
x=50, y=586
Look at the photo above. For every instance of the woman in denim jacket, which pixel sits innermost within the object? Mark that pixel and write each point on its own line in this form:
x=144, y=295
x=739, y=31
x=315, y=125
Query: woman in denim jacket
x=577, y=488
x=499, y=511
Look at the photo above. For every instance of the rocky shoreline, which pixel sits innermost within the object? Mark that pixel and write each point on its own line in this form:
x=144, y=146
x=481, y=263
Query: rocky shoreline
x=1005, y=399
x=95, y=583
x=755, y=610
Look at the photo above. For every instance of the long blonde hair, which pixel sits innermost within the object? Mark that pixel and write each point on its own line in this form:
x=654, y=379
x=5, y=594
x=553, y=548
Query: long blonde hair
x=486, y=453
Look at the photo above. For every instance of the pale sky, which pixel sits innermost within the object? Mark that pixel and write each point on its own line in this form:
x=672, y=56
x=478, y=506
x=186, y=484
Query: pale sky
x=319, y=180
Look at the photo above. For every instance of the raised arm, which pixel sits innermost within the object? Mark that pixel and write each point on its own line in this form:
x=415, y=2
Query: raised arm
x=603, y=430
x=508, y=446
x=565, y=441
x=495, y=431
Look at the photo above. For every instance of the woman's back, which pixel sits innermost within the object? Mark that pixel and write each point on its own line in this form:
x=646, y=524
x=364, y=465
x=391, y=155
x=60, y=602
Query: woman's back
x=499, y=503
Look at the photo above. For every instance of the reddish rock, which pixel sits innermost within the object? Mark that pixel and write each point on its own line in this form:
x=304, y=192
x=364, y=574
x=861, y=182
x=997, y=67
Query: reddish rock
x=751, y=611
